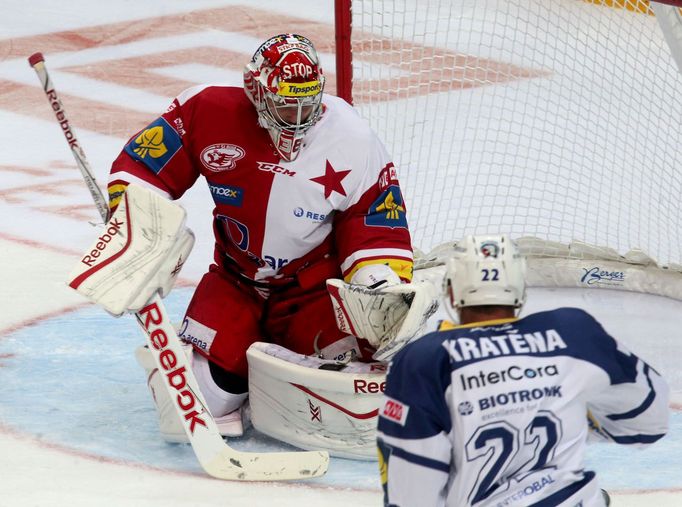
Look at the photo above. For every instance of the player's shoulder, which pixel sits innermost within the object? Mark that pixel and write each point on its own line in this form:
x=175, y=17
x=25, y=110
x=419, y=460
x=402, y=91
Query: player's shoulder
x=216, y=95
x=566, y=315
x=423, y=353
x=341, y=117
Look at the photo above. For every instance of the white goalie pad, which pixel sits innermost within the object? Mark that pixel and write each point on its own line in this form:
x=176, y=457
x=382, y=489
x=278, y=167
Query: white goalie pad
x=313, y=403
x=388, y=318
x=140, y=252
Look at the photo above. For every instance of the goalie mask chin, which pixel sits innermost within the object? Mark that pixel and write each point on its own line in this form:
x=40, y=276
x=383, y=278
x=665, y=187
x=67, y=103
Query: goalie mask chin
x=485, y=270
x=284, y=82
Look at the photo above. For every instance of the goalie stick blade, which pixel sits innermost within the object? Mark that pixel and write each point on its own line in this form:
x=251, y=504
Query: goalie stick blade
x=278, y=466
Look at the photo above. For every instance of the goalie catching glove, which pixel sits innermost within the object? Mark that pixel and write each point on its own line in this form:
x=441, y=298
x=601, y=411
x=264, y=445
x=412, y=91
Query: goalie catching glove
x=387, y=316
x=143, y=247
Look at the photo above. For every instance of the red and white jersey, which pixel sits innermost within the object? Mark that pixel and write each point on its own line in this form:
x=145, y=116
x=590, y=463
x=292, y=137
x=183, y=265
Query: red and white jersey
x=340, y=196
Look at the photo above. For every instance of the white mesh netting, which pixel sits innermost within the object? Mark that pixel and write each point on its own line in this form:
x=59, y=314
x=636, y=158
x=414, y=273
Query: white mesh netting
x=552, y=118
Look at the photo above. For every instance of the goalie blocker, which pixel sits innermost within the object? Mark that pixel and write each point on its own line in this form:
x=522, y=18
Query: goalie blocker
x=140, y=252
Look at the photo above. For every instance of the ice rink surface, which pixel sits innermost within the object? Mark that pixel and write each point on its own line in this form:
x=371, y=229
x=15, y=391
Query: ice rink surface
x=77, y=427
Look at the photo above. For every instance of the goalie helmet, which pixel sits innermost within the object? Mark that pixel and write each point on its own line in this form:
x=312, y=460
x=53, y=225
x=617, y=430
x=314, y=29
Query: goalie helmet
x=284, y=82
x=486, y=270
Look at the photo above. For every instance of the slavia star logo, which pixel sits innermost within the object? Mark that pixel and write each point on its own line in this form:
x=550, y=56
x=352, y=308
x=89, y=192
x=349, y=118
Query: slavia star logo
x=392, y=208
x=331, y=180
x=150, y=142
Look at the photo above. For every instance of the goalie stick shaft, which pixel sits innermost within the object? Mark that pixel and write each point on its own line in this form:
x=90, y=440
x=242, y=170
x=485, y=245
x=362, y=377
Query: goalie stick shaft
x=37, y=61
x=216, y=457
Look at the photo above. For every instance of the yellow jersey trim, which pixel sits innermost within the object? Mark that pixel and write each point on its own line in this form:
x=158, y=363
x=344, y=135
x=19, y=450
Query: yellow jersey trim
x=446, y=325
x=402, y=268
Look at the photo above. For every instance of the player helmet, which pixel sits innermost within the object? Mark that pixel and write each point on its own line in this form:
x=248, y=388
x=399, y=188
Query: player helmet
x=284, y=82
x=486, y=270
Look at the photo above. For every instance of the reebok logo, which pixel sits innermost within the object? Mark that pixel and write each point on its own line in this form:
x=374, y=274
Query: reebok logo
x=114, y=227
x=63, y=121
x=152, y=317
x=364, y=386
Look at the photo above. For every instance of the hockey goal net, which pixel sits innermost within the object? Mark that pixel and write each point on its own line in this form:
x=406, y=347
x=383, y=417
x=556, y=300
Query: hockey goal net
x=556, y=119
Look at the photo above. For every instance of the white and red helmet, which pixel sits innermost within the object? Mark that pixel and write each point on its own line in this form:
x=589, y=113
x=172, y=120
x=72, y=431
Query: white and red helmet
x=284, y=81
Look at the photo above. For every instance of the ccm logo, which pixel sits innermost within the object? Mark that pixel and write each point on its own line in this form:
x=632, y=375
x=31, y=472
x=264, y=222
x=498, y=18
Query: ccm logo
x=176, y=376
x=394, y=411
x=104, y=239
x=363, y=386
x=273, y=168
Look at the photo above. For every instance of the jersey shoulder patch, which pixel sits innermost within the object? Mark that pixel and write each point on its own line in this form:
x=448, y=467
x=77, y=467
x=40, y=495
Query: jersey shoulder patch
x=155, y=146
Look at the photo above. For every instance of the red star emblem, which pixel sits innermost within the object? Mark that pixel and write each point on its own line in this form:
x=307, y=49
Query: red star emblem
x=331, y=180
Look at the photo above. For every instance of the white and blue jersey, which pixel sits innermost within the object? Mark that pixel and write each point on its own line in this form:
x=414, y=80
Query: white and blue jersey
x=496, y=413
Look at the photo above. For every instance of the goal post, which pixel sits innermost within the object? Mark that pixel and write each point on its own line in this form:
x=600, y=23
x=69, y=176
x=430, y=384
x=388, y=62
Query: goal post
x=552, y=119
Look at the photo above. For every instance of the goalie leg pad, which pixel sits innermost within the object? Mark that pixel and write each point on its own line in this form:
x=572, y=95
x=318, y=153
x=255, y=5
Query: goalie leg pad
x=313, y=403
x=226, y=408
x=170, y=424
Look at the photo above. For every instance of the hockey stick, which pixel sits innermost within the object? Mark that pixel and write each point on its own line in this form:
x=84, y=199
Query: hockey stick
x=217, y=458
x=37, y=61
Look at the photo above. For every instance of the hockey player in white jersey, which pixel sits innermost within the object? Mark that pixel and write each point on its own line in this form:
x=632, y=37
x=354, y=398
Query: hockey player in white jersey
x=497, y=411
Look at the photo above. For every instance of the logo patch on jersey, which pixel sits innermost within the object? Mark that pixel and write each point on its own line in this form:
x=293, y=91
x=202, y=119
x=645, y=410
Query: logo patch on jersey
x=225, y=194
x=236, y=231
x=387, y=177
x=513, y=373
x=155, y=146
x=388, y=210
x=116, y=191
x=221, y=157
x=274, y=168
x=490, y=249
x=197, y=334
x=395, y=411
x=310, y=215
x=465, y=408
